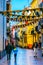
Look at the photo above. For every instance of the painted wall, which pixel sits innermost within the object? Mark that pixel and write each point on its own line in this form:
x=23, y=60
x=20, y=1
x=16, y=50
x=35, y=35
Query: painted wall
x=35, y=3
x=29, y=28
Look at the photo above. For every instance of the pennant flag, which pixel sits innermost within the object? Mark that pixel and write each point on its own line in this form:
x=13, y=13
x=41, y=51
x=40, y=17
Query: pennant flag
x=42, y=0
x=37, y=13
x=26, y=22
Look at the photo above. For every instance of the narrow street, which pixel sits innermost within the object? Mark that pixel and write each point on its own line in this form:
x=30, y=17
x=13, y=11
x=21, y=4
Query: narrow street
x=24, y=57
x=21, y=26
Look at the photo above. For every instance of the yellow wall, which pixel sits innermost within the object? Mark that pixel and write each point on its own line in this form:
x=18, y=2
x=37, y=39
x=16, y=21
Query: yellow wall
x=29, y=29
x=29, y=37
x=34, y=4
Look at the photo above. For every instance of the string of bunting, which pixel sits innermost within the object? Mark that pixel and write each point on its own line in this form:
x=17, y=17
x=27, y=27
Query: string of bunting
x=37, y=12
x=10, y=12
x=24, y=25
x=22, y=18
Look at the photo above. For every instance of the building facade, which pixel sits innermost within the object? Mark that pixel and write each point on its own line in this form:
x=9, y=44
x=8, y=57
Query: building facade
x=4, y=5
x=2, y=28
x=35, y=3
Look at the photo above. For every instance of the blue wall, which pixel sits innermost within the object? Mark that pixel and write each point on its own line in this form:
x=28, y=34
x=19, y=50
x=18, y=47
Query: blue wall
x=2, y=25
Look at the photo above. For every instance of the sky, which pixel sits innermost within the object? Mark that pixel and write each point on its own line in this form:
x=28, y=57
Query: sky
x=19, y=4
